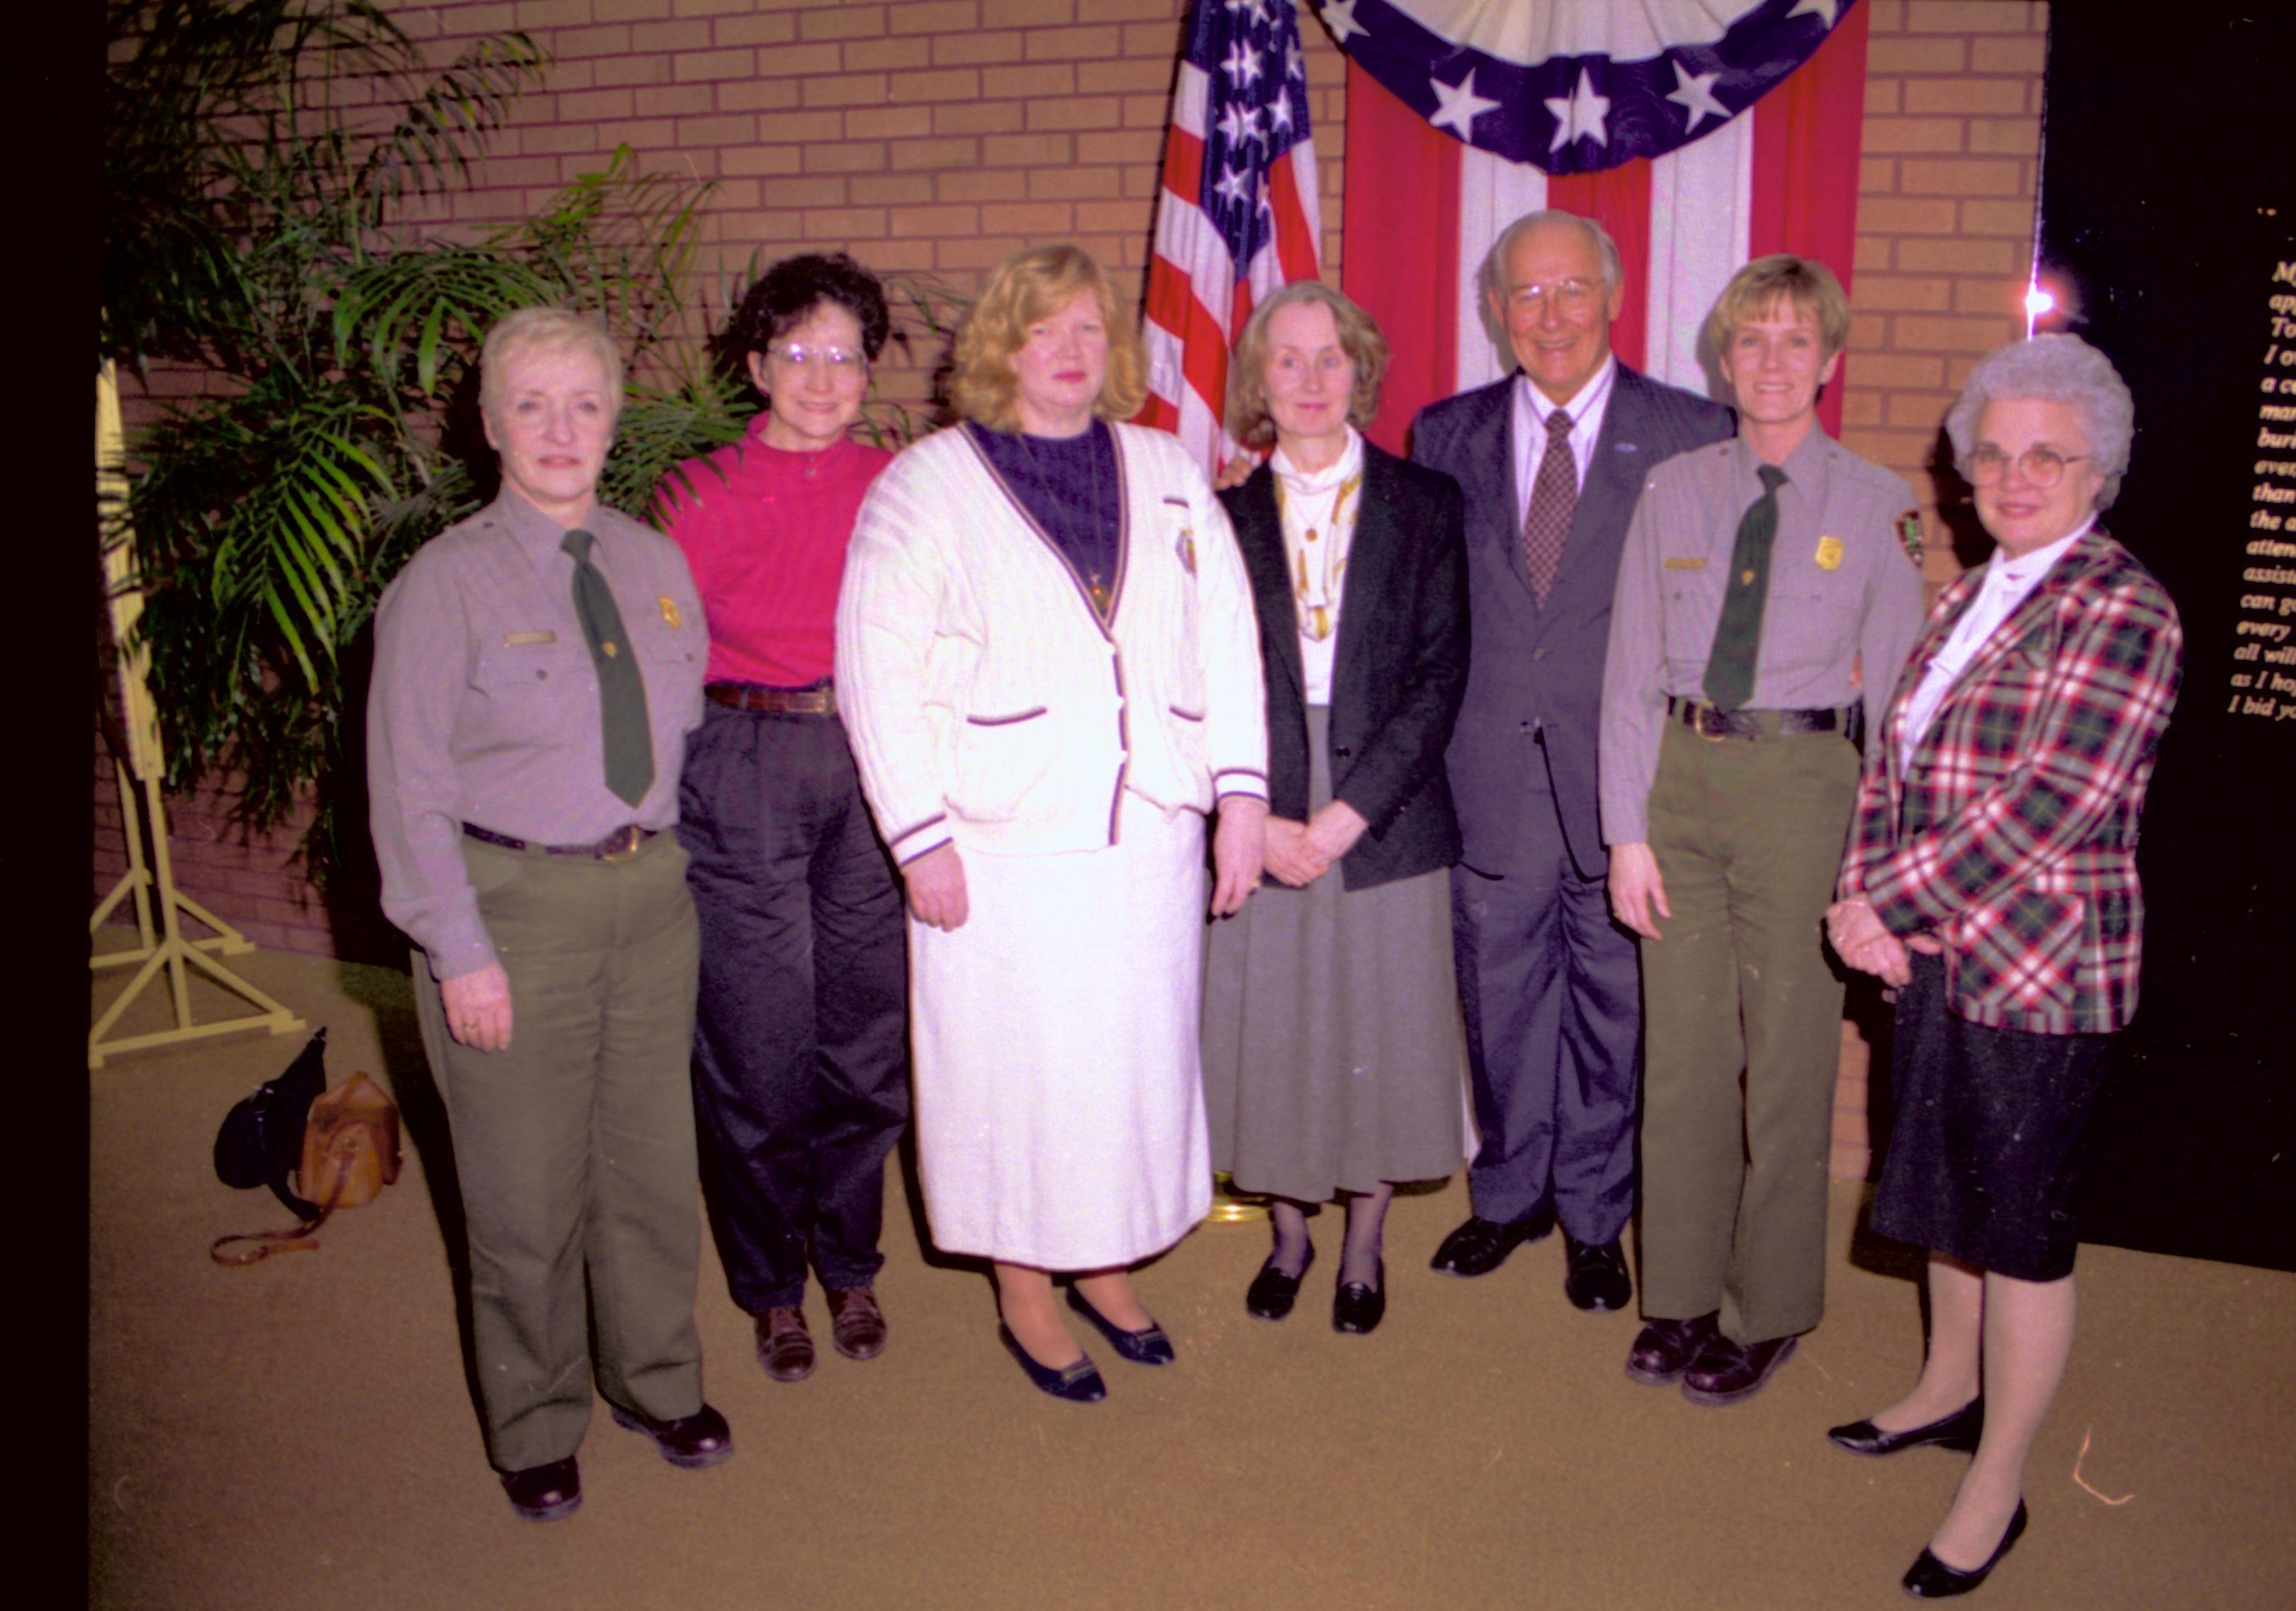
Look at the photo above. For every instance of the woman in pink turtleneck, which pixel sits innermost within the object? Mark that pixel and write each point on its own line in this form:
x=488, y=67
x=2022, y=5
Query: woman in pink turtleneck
x=800, y=1072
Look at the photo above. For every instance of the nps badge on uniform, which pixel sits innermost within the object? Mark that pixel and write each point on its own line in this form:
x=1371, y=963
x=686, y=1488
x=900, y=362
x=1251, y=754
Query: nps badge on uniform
x=1909, y=534
x=669, y=617
x=1185, y=548
x=1829, y=553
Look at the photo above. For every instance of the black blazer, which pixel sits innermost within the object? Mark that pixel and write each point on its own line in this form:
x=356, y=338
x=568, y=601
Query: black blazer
x=1397, y=672
x=1535, y=694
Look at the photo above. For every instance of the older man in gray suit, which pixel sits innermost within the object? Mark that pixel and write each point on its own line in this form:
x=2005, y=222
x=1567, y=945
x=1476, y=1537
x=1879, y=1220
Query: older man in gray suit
x=1551, y=460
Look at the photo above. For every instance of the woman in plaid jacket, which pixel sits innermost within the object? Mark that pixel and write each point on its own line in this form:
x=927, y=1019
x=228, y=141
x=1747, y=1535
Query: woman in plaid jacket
x=1991, y=876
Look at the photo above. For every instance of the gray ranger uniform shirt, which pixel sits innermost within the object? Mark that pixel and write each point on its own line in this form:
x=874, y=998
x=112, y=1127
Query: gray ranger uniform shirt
x=1844, y=592
x=485, y=707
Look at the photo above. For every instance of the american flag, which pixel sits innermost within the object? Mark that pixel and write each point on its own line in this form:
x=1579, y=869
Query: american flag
x=1238, y=216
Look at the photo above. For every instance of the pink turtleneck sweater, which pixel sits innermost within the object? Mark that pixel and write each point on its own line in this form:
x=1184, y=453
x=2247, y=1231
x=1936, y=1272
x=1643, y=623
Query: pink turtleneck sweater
x=766, y=542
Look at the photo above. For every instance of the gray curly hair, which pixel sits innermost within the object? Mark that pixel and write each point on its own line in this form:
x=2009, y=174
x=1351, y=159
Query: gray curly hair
x=2056, y=369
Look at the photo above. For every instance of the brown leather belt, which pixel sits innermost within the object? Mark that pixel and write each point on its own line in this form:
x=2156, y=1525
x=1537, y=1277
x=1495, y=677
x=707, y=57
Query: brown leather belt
x=820, y=699
x=619, y=845
x=1708, y=722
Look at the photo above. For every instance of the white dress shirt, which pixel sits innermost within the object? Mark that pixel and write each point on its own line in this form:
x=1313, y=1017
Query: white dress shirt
x=1321, y=504
x=1528, y=419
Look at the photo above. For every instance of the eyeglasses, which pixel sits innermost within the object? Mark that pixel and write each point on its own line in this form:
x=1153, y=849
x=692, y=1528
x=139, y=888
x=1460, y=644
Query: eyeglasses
x=2045, y=467
x=1573, y=295
x=839, y=361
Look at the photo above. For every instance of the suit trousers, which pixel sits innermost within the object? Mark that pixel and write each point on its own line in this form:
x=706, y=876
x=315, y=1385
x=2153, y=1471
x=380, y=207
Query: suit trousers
x=574, y=1146
x=1747, y=833
x=1547, y=984
x=800, y=1050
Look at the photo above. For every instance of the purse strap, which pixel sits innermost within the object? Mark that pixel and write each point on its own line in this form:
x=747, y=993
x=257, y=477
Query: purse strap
x=301, y=1238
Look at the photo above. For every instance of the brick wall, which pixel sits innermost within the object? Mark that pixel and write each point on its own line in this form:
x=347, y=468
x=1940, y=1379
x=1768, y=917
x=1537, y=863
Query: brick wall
x=936, y=135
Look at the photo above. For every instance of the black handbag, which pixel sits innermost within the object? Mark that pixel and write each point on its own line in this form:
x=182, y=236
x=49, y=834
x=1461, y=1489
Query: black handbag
x=261, y=1141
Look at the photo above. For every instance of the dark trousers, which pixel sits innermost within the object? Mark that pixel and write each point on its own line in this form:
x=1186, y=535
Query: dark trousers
x=1550, y=991
x=575, y=1146
x=800, y=1067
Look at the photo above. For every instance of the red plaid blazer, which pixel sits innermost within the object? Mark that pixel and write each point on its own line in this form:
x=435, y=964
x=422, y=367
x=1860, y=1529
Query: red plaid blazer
x=2012, y=836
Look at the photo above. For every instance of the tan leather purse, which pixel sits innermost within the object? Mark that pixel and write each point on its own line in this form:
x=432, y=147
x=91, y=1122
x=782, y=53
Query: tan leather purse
x=350, y=1152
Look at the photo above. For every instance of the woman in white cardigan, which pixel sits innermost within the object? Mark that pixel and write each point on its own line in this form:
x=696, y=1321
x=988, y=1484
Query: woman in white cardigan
x=1047, y=663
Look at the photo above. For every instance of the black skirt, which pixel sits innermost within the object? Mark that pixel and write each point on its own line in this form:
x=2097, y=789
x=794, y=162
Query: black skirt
x=1984, y=1154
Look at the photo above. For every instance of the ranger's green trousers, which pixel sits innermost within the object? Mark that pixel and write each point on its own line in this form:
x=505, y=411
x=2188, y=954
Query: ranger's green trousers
x=1748, y=833
x=575, y=1148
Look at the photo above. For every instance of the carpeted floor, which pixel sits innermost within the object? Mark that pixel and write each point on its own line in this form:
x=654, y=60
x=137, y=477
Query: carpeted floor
x=300, y=1435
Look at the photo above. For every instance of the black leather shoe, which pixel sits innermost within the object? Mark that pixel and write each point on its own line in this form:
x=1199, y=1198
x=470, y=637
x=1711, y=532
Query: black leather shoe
x=1728, y=1373
x=690, y=1441
x=1930, y=1578
x=544, y=1494
x=1480, y=1247
x=1079, y=1384
x=1960, y=1431
x=1272, y=1292
x=1597, y=1274
x=1356, y=1309
x=1664, y=1349
x=1146, y=1346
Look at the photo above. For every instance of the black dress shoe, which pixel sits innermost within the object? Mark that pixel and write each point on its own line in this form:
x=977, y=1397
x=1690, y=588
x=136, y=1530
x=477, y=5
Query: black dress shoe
x=1146, y=1346
x=1596, y=1278
x=1664, y=1349
x=1480, y=1247
x=1079, y=1384
x=1960, y=1430
x=1728, y=1373
x=1272, y=1292
x=690, y=1441
x=544, y=1494
x=1356, y=1309
x=1930, y=1578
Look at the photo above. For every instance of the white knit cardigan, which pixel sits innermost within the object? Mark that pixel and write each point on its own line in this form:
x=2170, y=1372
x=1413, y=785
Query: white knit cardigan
x=986, y=701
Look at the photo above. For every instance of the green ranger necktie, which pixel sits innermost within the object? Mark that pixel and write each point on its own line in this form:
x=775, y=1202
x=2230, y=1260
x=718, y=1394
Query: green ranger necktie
x=1738, y=634
x=621, y=686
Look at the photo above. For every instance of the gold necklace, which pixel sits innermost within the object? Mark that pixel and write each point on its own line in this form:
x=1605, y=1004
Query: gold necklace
x=1314, y=602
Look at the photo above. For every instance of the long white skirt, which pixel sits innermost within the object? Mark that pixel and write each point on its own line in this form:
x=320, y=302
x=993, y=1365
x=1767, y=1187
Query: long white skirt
x=1060, y=1106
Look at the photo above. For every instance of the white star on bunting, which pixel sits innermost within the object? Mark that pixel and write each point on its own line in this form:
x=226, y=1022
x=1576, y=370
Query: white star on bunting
x=1819, y=8
x=1461, y=105
x=1340, y=17
x=1234, y=184
x=1584, y=116
x=1694, y=94
x=1243, y=64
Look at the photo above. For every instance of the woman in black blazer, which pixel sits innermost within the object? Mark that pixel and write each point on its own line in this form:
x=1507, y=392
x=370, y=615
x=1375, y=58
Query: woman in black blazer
x=1331, y=1016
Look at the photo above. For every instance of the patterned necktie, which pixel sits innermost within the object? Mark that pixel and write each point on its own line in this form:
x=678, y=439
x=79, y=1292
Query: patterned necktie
x=1553, y=497
x=1738, y=634
x=621, y=686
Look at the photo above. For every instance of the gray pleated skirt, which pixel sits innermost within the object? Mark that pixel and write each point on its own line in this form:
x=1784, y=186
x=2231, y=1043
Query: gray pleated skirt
x=1333, y=1054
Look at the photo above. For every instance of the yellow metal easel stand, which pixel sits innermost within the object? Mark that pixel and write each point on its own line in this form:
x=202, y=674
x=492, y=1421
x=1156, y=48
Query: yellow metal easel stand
x=152, y=884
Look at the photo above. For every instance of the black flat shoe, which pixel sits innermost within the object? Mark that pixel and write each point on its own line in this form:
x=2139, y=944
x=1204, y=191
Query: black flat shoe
x=1960, y=1430
x=1272, y=1292
x=1356, y=1308
x=1146, y=1346
x=1480, y=1245
x=1930, y=1578
x=1079, y=1384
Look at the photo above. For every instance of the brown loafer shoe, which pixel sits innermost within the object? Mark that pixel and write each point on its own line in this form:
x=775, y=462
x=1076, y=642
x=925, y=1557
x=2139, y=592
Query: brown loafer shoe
x=784, y=1346
x=690, y=1441
x=544, y=1494
x=856, y=1325
x=1664, y=1349
x=1728, y=1373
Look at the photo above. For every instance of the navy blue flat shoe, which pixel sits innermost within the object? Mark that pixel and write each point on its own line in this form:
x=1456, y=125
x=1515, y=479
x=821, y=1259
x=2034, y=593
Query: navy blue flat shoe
x=1147, y=1346
x=1930, y=1578
x=1079, y=1384
x=1958, y=1431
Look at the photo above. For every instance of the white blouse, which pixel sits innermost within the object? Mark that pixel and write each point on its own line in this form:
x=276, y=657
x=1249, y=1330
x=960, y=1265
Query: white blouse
x=1319, y=509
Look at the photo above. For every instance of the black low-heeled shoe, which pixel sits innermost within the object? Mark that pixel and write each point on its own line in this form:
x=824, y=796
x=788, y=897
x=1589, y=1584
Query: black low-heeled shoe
x=1930, y=1578
x=1958, y=1431
x=1272, y=1292
x=1146, y=1346
x=1079, y=1384
x=1356, y=1308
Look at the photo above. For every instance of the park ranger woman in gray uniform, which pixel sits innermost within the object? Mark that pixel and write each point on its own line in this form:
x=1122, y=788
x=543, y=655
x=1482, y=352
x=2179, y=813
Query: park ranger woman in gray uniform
x=1767, y=594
